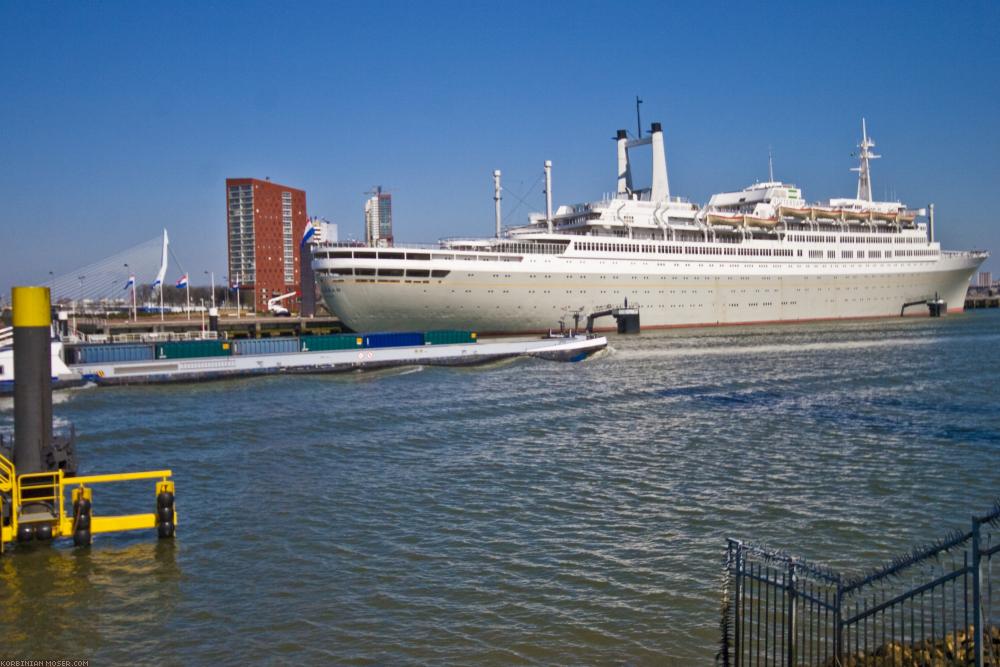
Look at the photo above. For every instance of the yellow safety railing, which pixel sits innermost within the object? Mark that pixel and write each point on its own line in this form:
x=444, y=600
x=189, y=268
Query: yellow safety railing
x=6, y=474
x=49, y=488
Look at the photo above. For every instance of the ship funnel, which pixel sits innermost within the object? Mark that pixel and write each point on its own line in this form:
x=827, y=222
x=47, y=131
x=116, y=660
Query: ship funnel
x=660, y=191
x=624, y=169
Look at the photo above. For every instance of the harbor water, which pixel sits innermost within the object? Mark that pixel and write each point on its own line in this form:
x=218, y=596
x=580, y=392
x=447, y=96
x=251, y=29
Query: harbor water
x=528, y=512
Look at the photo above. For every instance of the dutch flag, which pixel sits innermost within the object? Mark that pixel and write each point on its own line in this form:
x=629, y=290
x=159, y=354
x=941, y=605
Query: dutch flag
x=310, y=231
x=182, y=282
x=130, y=283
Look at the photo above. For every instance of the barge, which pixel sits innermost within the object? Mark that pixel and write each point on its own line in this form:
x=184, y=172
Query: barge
x=147, y=362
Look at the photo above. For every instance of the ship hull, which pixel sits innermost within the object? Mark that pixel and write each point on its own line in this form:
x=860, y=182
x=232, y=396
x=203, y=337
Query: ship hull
x=550, y=292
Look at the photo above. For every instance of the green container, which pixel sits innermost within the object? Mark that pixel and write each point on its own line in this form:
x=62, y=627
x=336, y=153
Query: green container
x=449, y=337
x=332, y=342
x=191, y=349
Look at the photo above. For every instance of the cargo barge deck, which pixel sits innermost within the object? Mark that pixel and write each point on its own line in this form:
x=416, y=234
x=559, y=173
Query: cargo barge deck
x=195, y=361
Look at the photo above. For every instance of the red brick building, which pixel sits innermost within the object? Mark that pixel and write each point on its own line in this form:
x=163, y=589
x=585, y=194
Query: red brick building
x=264, y=224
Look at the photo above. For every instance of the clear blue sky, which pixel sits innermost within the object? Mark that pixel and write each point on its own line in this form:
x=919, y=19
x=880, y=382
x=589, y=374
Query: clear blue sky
x=118, y=119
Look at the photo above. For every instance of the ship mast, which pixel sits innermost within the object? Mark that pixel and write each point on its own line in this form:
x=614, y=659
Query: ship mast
x=863, y=169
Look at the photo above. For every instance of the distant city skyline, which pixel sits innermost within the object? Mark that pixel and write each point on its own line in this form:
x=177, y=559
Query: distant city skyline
x=131, y=117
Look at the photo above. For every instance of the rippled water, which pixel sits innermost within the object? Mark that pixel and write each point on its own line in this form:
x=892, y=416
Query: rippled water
x=529, y=512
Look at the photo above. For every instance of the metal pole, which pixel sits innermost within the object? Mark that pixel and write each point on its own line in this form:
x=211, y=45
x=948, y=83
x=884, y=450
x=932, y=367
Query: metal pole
x=213, y=289
x=496, y=197
x=187, y=289
x=33, y=377
x=790, y=650
x=161, y=302
x=638, y=121
x=977, y=603
x=548, y=194
x=930, y=218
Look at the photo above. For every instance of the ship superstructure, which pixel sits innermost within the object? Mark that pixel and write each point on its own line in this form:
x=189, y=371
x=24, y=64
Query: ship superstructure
x=761, y=254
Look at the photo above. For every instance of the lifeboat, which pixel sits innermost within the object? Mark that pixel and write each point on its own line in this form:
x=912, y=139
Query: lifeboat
x=793, y=212
x=906, y=216
x=853, y=214
x=884, y=216
x=754, y=221
x=723, y=219
x=827, y=213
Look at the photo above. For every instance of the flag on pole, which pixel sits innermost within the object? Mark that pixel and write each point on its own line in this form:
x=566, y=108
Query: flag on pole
x=130, y=283
x=182, y=282
x=309, y=233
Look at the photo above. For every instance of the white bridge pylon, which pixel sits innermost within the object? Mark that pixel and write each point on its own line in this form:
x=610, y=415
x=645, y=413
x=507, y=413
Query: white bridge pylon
x=106, y=279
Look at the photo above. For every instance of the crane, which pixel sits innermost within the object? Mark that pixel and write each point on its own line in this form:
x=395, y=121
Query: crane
x=277, y=310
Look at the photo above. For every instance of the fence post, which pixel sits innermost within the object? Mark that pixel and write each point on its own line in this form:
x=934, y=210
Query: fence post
x=838, y=628
x=737, y=598
x=977, y=618
x=790, y=649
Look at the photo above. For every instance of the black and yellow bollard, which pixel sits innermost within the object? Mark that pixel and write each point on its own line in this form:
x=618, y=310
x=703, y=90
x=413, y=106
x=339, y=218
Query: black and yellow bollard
x=32, y=402
x=33, y=377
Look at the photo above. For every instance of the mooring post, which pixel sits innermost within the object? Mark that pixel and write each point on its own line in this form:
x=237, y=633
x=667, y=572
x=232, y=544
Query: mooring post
x=32, y=377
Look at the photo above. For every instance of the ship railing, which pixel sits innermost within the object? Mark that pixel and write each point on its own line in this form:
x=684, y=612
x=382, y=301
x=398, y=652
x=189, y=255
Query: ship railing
x=154, y=337
x=456, y=245
x=966, y=253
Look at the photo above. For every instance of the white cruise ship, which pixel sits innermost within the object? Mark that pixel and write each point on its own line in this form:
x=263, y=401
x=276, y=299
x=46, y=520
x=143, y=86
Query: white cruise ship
x=762, y=254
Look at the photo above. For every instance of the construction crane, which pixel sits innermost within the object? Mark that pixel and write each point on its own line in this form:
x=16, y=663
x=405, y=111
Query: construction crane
x=274, y=307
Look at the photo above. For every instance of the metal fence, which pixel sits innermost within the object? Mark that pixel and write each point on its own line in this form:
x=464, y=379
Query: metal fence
x=933, y=606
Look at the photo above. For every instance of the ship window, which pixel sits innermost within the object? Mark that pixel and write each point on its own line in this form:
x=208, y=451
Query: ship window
x=343, y=254
x=417, y=273
x=364, y=272
x=391, y=255
x=360, y=254
x=444, y=257
x=341, y=272
x=390, y=272
x=418, y=255
x=439, y=273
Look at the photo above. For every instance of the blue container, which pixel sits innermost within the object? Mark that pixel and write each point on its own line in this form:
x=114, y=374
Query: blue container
x=255, y=346
x=115, y=352
x=394, y=339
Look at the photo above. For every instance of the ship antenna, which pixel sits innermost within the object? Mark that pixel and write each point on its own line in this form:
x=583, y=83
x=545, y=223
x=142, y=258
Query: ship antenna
x=496, y=198
x=638, y=120
x=864, y=169
x=770, y=165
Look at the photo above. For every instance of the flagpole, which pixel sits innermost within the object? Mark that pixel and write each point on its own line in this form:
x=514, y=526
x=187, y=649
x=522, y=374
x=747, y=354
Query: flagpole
x=161, y=301
x=135, y=317
x=187, y=286
x=238, y=276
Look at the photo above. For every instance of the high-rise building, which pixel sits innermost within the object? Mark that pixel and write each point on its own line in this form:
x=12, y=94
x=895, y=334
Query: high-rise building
x=265, y=223
x=985, y=279
x=378, y=218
